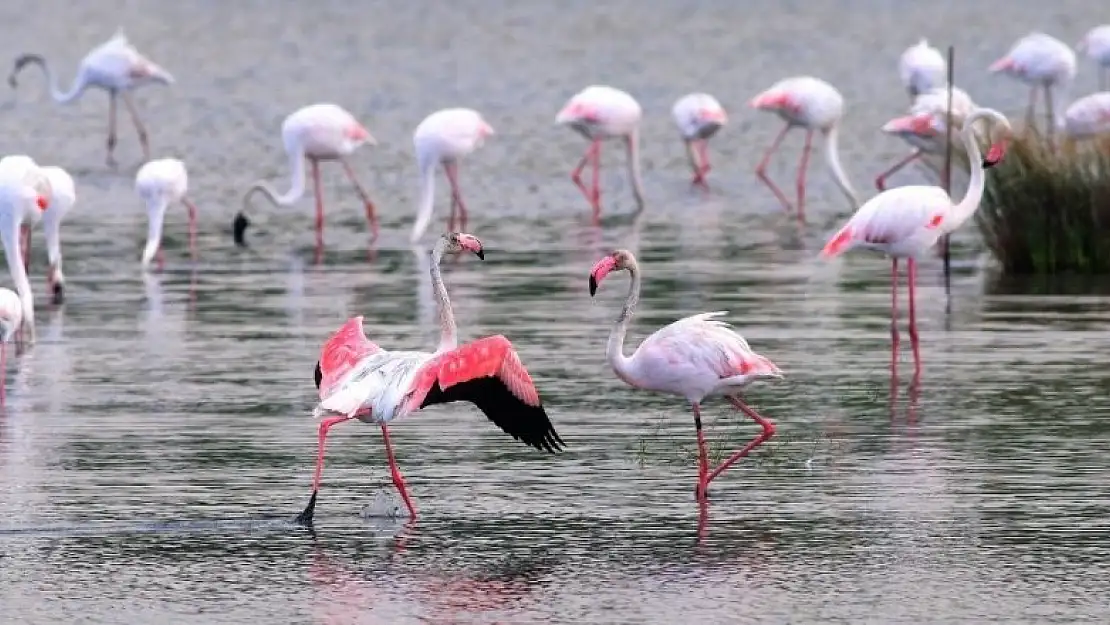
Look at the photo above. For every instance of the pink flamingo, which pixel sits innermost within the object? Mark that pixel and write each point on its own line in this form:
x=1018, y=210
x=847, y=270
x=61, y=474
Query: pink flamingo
x=161, y=183
x=917, y=127
x=1087, y=117
x=906, y=221
x=813, y=104
x=695, y=357
x=443, y=138
x=318, y=132
x=359, y=380
x=922, y=69
x=1042, y=62
x=1096, y=44
x=698, y=116
x=599, y=113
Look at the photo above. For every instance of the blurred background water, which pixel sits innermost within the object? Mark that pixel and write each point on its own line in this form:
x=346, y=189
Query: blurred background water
x=157, y=440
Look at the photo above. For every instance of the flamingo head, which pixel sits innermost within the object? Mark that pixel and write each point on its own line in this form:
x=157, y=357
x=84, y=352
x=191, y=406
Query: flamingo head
x=359, y=134
x=459, y=242
x=620, y=259
x=577, y=112
x=145, y=72
x=713, y=115
x=773, y=100
x=921, y=125
x=1004, y=64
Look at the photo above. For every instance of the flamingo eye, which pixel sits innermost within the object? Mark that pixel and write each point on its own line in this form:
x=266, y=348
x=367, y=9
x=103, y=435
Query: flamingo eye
x=42, y=202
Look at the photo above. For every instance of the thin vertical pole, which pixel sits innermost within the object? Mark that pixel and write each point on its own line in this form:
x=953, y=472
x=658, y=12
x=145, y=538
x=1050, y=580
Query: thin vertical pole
x=947, y=180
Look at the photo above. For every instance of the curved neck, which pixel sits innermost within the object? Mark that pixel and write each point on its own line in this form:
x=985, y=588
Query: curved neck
x=10, y=233
x=448, y=334
x=297, y=182
x=56, y=93
x=632, y=142
x=427, y=199
x=832, y=155
x=970, y=202
x=156, y=213
x=614, y=350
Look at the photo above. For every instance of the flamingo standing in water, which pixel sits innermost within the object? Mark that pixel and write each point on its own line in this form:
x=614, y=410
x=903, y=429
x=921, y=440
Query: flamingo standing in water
x=600, y=113
x=64, y=196
x=11, y=318
x=1096, y=44
x=698, y=116
x=813, y=104
x=922, y=69
x=443, y=138
x=695, y=357
x=161, y=183
x=1042, y=62
x=115, y=66
x=906, y=221
x=359, y=380
x=318, y=132
x=917, y=127
x=25, y=192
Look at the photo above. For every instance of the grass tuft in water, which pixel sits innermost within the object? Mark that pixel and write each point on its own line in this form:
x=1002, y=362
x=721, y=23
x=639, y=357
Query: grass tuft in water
x=1047, y=212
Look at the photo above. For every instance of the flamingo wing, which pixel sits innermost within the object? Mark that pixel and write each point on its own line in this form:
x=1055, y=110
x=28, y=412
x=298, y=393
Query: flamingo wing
x=892, y=217
x=489, y=374
x=341, y=353
x=707, y=344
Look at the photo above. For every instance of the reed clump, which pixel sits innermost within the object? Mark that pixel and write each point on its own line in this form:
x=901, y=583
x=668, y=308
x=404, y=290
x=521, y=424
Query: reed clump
x=1046, y=211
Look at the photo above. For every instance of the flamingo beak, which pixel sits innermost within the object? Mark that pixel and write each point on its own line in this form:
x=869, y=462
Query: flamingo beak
x=471, y=243
x=715, y=115
x=1001, y=65
x=920, y=125
x=995, y=154
x=42, y=202
x=600, y=270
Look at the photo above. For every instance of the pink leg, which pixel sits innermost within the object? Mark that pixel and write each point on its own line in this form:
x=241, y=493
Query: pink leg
x=703, y=151
x=768, y=432
x=319, y=203
x=912, y=269
x=596, y=193
x=139, y=127
x=880, y=181
x=576, y=175
x=703, y=458
x=192, y=226
x=893, y=313
x=305, y=517
x=801, y=182
x=761, y=169
x=452, y=170
x=371, y=217
x=398, y=479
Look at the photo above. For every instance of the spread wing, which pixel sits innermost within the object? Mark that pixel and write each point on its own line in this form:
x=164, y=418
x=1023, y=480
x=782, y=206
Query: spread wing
x=341, y=353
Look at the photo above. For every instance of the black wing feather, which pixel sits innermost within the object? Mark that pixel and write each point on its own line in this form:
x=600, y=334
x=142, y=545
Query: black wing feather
x=525, y=423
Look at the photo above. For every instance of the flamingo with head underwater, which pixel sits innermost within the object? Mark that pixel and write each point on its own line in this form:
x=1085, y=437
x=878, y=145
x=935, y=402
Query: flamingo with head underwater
x=906, y=222
x=916, y=128
x=161, y=183
x=699, y=116
x=11, y=319
x=25, y=192
x=115, y=66
x=357, y=379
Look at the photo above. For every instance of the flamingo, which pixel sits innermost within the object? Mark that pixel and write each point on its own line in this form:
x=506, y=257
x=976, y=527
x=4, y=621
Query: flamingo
x=906, y=221
x=1087, y=117
x=695, y=357
x=443, y=138
x=698, y=116
x=64, y=196
x=922, y=69
x=925, y=106
x=161, y=183
x=318, y=132
x=1042, y=62
x=25, y=192
x=115, y=66
x=11, y=318
x=1096, y=43
x=357, y=379
x=599, y=113
x=813, y=104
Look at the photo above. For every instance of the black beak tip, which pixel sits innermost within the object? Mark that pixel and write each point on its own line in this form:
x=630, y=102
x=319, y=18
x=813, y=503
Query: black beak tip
x=481, y=254
x=987, y=163
x=593, y=286
x=239, y=229
x=59, y=294
x=319, y=375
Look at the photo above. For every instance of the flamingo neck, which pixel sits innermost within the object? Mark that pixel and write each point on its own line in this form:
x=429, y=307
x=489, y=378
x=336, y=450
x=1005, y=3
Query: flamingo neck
x=427, y=198
x=614, y=350
x=448, y=333
x=975, y=187
x=13, y=253
x=297, y=181
x=832, y=155
x=59, y=96
x=156, y=213
x=632, y=141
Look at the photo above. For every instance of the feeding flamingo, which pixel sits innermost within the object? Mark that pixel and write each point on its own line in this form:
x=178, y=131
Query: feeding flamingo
x=115, y=66
x=161, y=183
x=318, y=132
x=63, y=197
x=906, y=221
x=922, y=69
x=25, y=192
x=698, y=116
x=359, y=380
x=443, y=138
x=1096, y=44
x=813, y=104
x=600, y=113
x=695, y=357
x=1042, y=62
x=11, y=318
x=916, y=128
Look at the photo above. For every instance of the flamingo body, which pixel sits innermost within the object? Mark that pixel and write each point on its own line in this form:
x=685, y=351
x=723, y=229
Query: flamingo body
x=698, y=116
x=922, y=68
x=63, y=197
x=11, y=320
x=923, y=128
x=160, y=183
x=1096, y=45
x=25, y=192
x=1038, y=60
x=1088, y=116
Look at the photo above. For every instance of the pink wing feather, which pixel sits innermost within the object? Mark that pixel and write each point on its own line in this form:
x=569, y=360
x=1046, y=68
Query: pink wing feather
x=492, y=356
x=343, y=351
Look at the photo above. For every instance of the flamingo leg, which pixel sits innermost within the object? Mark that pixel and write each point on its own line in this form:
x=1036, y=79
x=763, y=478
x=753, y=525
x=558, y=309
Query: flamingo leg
x=595, y=194
x=1050, y=119
x=371, y=217
x=111, y=159
x=893, y=312
x=803, y=163
x=452, y=170
x=398, y=479
x=1031, y=111
x=703, y=152
x=761, y=169
x=25, y=244
x=139, y=127
x=768, y=432
x=694, y=157
x=319, y=193
x=192, y=225
x=305, y=517
x=701, y=491
x=3, y=372
x=880, y=180
x=911, y=268
x=576, y=175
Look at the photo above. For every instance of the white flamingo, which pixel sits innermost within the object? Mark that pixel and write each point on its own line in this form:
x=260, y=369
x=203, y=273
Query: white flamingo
x=698, y=116
x=812, y=104
x=11, y=318
x=161, y=183
x=25, y=192
x=916, y=128
x=64, y=196
x=695, y=357
x=115, y=66
x=922, y=69
x=318, y=132
x=1087, y=117
x=600, y=113
x=1042, y=62
x=1096, y=45
x=906, y=222
x=443, y=138
x=359, y=380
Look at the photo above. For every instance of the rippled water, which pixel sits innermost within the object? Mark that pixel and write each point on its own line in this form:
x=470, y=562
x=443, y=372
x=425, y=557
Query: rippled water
x=157, y=441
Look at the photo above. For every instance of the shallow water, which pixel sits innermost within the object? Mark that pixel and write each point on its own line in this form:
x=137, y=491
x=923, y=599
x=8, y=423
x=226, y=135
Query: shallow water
x=157, y=440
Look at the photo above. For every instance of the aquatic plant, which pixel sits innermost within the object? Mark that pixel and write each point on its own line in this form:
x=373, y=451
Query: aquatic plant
x=1047, y=212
